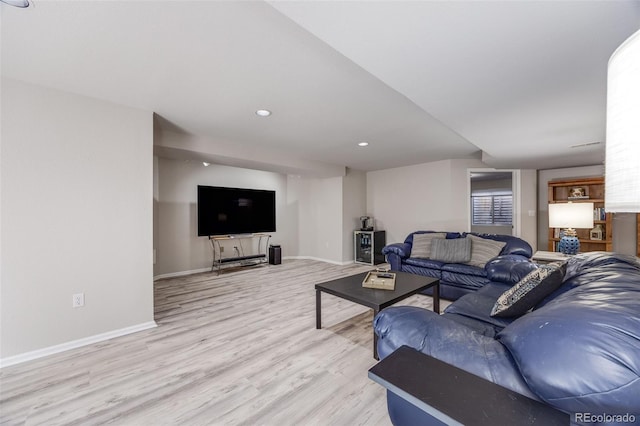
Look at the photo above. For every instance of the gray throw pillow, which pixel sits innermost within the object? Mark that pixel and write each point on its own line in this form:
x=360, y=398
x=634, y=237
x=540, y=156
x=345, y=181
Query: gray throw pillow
x=457, y=250
x=483, y=250
x=530, y=290
x=422, y=244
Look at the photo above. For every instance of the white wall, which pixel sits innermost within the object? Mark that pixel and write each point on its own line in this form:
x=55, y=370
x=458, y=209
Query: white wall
x=430, y=196
x=433, y=196
x=318, y=216
x=178, y=247
x=354, y=205
x=315, y=217
x=327, y=211
x=624, y=224
x=528, y=207
x=76, y=194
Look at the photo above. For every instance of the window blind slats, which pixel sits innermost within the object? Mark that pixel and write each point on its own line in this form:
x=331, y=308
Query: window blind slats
x=492, y=209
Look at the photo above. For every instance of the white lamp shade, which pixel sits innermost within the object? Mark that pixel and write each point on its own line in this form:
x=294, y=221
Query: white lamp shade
x=622, y=161
x=571, y=215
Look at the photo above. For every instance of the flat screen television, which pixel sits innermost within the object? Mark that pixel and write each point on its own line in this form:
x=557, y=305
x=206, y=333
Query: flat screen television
x=228, y=211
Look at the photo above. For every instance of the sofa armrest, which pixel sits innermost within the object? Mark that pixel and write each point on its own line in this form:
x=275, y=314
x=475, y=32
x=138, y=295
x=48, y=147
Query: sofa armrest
x=401, y=249
x=449, y=341
x=509, y=268
x=395, y=253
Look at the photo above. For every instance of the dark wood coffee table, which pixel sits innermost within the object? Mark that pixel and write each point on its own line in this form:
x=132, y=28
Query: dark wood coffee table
x=350, y=288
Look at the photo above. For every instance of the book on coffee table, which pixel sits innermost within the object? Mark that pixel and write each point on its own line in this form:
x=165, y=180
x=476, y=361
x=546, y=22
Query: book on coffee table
x=380, y=280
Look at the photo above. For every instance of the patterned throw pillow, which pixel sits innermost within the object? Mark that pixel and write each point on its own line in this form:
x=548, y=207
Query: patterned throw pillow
x=422, y=244
x=456, y=250
x=530, y=291
x=483, y=250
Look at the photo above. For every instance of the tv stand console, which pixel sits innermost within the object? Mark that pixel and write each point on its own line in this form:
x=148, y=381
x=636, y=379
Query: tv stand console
x=257, y=254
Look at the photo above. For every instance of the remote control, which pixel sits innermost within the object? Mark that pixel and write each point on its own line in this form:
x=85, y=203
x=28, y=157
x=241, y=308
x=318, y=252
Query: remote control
x=384, y=275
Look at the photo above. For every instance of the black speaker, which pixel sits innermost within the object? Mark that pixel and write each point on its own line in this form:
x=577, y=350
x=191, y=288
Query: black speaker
x=275, y=255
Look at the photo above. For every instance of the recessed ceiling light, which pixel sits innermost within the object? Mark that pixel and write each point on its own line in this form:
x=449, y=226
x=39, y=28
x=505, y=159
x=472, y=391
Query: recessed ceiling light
x=263, y=112
x=363, y=143
x=204, y=163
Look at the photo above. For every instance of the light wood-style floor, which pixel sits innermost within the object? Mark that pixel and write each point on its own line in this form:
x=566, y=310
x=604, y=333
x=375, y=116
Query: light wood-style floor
x=236, y=349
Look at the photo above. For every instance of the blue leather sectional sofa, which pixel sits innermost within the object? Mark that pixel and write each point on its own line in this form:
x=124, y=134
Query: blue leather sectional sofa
x=578, y=349
x=456, y=279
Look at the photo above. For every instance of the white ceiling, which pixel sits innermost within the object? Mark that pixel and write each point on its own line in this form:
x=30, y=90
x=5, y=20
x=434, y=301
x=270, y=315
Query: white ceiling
x=521, y=81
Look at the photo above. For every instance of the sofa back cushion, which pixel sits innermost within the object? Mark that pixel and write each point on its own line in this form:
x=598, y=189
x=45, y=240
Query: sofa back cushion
x=422, y=244
x=509, y=268
x=483, y=250
x=514, y=245
x=581, y=351
x=409, y=239
x=457, y=250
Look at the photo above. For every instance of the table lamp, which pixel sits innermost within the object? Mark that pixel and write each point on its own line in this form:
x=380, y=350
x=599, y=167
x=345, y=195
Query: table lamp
x=570, y=216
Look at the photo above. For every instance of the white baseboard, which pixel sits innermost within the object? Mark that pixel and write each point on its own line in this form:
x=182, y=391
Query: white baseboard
x=181, y=273
x=198, y=271
x=28, y=356
x=333, y=262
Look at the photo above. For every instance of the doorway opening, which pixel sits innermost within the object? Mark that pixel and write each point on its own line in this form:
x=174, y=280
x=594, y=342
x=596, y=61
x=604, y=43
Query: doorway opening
x=493, y=201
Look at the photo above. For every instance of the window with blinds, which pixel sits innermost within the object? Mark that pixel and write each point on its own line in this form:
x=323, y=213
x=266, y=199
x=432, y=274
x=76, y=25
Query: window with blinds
x=492, y=208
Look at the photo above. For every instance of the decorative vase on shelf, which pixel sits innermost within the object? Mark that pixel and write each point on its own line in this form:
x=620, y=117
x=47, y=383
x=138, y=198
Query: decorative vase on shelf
x=596, y=232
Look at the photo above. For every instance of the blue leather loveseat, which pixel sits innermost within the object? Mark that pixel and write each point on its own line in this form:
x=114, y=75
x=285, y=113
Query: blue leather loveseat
x=577, y=350
x=456, y=279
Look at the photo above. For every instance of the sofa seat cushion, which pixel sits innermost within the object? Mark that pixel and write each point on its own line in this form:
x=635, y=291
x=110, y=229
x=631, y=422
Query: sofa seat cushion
x=479, y=327
x=477, y=306
x=582, y=349
x=424, y=263
x=449, y=341
x=419, y=270
x=471, y=282
x=461, y=268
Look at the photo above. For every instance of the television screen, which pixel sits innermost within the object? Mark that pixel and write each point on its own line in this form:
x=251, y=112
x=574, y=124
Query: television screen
x=224, y=211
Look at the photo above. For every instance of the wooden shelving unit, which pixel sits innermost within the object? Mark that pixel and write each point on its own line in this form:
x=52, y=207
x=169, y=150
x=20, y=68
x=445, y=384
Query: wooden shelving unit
x=560, y=192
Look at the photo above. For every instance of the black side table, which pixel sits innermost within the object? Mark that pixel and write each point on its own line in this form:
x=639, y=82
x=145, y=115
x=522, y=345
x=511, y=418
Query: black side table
x=457, y=397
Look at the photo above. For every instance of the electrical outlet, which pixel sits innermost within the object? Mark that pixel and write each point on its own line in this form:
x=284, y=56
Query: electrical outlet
x=221, y=249
x=78, y=300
